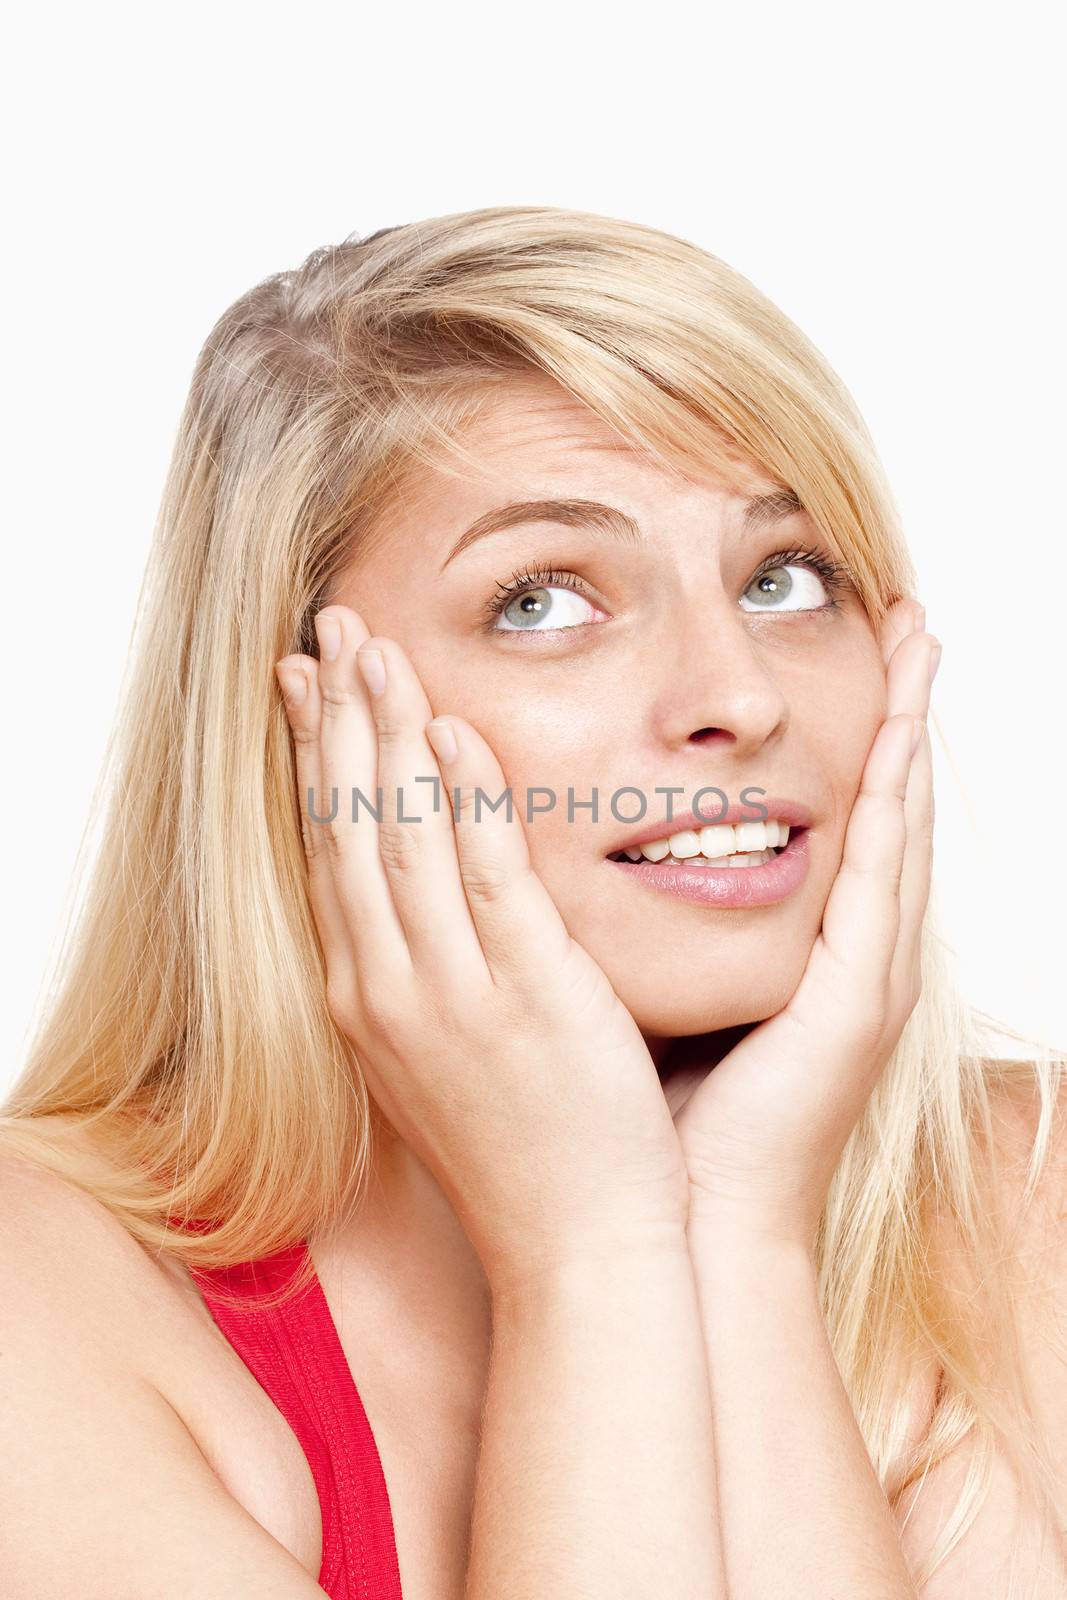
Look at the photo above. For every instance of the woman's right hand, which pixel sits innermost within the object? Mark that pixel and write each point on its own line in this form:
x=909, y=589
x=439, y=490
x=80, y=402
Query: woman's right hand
x=492, y=1042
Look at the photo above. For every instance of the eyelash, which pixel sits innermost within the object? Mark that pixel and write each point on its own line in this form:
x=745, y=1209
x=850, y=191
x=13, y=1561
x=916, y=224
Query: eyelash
x=834, y=575
x=535, y=577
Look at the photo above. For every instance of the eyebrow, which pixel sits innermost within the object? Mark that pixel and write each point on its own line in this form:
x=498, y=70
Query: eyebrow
x=761, y=511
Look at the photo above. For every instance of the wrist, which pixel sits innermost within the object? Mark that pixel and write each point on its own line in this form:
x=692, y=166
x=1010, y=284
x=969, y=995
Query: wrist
x=727, y=1242
x=589, y=1264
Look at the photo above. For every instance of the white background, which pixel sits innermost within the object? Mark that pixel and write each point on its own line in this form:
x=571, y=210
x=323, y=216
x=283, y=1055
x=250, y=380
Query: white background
x=891, y=176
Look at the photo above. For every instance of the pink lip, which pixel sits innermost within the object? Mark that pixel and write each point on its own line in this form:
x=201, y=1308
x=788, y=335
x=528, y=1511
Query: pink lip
x=767, y=807
x=729, y=886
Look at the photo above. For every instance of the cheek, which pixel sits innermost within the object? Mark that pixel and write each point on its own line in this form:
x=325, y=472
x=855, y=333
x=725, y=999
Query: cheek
x=554, y=738
x=842, y=739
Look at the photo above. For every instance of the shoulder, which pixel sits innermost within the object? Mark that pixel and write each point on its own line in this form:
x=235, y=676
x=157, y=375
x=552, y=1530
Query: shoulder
x=96, y=1355
x=1016, y=1344
x=69, y=1270
x=1020, y=1174
x=1019, y=1112
x=72, y=1269
x=1018, y=1164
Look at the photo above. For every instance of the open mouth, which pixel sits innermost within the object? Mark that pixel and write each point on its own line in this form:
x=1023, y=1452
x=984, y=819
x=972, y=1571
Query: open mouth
x=742, y=846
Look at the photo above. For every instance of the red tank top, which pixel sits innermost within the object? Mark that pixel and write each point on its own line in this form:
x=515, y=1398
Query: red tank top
x=295, y=1353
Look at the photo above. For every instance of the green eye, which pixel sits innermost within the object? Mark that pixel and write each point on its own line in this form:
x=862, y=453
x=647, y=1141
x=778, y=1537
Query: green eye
x=795, y=585
x=549, y=607
x=540, y=599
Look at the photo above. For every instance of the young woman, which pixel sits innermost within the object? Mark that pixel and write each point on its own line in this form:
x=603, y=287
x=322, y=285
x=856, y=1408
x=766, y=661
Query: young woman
x=507, y=1125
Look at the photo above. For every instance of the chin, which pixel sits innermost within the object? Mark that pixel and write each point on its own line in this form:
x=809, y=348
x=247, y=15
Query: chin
x=672, y=1006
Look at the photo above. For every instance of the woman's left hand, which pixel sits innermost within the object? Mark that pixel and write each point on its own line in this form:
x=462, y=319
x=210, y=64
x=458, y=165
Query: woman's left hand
x=763, y=1130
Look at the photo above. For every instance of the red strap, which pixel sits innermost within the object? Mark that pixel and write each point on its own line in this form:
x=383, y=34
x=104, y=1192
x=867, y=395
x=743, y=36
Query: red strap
x=295, y=1353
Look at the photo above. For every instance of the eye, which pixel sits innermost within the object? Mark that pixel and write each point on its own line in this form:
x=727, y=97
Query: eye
x=550, y=607
x=539, y=602
x=795, y=580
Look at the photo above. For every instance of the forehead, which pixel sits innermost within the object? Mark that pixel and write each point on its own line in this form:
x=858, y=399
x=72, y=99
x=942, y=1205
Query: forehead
x=534, y=420
x=536, y=416
x=529, y=439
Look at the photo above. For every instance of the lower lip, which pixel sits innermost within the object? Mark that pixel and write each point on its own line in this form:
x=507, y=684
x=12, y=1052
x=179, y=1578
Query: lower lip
x=728, y=886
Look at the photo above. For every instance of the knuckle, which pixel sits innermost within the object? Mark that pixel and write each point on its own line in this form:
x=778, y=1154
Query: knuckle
x=399, y=848
x=325, y=836
x=307, y=834
x=465, y=809
x=330, y=841
x=335, y=697
x=486, y=882
x=887, y=804
x=389, y=725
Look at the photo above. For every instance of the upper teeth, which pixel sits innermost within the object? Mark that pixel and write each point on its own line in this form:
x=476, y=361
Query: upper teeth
x=715, y=842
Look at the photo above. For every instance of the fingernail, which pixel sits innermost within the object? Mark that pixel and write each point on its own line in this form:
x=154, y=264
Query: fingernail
x=328, y=630
x=294, y=687
x=373, y=669
x=935, y=659
x=920, y=729
x=443, y=739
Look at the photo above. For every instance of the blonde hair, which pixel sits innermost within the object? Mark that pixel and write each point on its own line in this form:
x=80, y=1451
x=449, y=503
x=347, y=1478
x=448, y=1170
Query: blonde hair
x=188, y=1036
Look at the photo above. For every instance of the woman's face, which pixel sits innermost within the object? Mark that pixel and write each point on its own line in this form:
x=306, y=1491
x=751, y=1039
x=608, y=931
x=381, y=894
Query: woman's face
x=656, y=663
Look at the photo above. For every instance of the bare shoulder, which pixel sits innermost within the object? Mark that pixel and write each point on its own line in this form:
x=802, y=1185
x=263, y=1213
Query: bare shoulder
x=1016, y=1108
x=1021, y=1176
x=1026, y=1134
x=62, y=1250
x=100, y=1478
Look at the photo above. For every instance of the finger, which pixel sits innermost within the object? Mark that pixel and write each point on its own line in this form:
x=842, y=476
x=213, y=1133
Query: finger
x=416, y=838
x=857, y=958
x=298, y=677
x=869, y=883
x=522, y=935
x=905, y=617
x=862, y=915
x=917, y=864
x=348, y=745
x=905, y=970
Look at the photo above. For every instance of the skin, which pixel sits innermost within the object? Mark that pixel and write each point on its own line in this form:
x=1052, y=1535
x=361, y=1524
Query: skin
x=664, y=1338
x=797, y=1005
x=789, y=702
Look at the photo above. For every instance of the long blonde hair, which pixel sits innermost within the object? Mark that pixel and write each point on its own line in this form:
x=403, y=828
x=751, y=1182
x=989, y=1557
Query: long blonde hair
x=187, y=1035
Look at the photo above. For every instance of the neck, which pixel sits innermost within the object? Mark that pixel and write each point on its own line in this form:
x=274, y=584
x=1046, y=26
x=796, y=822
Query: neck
x=411, y=1276
x=402, y=1260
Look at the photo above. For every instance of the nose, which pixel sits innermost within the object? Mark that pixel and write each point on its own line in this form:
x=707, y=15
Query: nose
x=714, y=686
